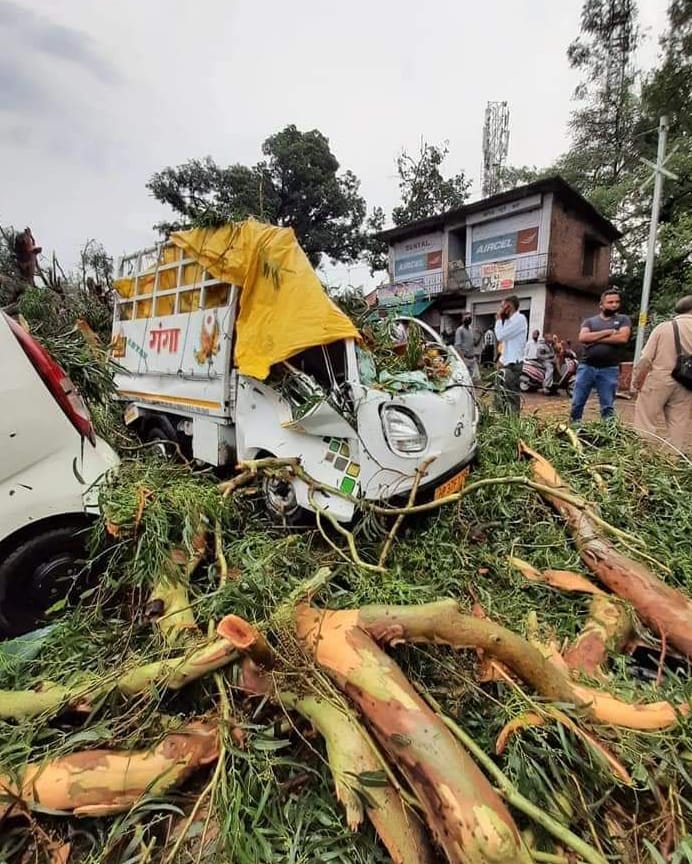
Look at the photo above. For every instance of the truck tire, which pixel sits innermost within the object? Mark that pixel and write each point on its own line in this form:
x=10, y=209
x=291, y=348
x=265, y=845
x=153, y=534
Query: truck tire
x=50, y=566
x=160, y=442
x=279, y=497
x=280, y=501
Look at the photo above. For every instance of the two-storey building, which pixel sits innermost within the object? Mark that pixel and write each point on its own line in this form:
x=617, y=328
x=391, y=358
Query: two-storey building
x=543, y=242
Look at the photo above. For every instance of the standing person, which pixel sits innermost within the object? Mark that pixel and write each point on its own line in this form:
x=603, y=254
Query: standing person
x=603, y=338
x=511, y=328
x=464, y=342
x=477, y=348
x=663, y=401
x=531, y=349
x=489, y=347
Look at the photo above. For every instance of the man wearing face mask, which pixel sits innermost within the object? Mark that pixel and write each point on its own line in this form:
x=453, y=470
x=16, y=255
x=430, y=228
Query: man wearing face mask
x=465, y=340
x=603, y=337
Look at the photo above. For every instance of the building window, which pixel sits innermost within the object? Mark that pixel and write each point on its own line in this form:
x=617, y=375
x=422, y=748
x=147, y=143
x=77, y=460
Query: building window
x=590, y=256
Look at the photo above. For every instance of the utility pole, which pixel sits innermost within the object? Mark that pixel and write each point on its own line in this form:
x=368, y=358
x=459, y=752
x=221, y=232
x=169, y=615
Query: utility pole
x=658, y=175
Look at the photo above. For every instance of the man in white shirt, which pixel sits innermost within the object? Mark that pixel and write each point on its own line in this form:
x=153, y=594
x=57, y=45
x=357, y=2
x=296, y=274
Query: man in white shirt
x=511, y=328
x=531, y=349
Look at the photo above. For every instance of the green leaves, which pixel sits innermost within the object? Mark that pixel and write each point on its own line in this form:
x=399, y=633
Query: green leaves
x=297, y=185
x=424, y=189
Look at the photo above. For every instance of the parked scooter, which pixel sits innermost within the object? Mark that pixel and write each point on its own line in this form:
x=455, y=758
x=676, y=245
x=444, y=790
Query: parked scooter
x=564, y=373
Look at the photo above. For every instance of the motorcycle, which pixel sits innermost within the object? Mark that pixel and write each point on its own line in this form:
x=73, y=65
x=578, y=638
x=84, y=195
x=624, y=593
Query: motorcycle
x=533, y=374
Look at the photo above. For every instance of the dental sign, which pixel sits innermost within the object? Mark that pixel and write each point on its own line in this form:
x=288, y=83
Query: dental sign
x=505, y=245
x=417, y=256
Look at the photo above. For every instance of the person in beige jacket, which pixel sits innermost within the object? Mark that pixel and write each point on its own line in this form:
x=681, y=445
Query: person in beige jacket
x=663, y=403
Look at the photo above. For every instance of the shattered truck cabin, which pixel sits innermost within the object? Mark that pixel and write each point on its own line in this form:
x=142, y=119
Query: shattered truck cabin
x=231, y=350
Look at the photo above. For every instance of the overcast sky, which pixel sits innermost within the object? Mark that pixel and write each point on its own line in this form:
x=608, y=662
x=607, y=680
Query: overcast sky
x=96, y=96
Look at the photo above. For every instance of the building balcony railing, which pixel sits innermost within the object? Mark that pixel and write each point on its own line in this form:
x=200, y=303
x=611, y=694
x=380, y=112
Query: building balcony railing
x=492, y=276
x=461, y=279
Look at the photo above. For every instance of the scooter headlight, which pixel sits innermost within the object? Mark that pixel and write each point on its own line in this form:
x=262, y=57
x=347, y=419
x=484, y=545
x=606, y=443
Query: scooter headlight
x=403, y=430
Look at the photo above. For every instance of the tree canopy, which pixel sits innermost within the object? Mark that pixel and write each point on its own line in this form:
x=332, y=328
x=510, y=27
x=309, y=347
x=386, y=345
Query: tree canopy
x=297, y=184
x=615, y=126
x=425, y=191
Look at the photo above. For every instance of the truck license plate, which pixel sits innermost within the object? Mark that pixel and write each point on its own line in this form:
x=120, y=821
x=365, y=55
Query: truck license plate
x=454, y=484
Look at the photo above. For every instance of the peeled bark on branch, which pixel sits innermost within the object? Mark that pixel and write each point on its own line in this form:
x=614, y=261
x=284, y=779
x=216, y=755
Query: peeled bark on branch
x=443, y=623
x=352, y=755
x=172, y=673
x=246, y=639
x=466, y=816
x=608, y=629
x=169, y=605
x=103, y=782
x=664, y=609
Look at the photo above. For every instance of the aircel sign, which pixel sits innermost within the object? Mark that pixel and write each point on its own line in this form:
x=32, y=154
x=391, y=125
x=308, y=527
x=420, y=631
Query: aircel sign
x=505, y=245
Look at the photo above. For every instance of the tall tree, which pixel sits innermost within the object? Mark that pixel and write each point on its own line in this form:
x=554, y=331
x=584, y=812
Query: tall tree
x=297, y=185
x=667, y=90
x=603, y=147
x=424, y=189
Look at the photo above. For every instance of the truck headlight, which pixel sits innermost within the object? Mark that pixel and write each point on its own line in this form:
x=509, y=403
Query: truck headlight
x=403, y=430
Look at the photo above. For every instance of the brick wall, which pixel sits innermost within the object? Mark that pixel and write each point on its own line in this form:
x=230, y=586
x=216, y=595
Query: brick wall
x=565, y=309
x=567, y=232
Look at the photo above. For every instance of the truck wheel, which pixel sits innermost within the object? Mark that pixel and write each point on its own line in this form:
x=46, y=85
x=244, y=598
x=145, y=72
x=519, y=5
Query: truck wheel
x=161, y=442
x=281, y=502
x=51, y=566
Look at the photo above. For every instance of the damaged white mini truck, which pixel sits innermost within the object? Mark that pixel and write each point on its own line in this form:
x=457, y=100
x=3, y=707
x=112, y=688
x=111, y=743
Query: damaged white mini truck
x=231, y=350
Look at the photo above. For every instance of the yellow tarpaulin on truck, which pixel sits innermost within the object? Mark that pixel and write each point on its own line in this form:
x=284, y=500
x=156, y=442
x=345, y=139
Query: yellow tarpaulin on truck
x=283, y=306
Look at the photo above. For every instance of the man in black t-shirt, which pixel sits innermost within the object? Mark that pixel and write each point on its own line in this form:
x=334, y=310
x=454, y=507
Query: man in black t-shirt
x=603, y=337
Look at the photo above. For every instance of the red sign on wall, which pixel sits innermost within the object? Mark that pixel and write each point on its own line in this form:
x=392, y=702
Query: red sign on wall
x=434, y=260
x=527, y=240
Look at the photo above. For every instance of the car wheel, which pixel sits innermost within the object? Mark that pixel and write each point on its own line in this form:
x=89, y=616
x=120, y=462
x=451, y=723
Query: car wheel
x=43, y=570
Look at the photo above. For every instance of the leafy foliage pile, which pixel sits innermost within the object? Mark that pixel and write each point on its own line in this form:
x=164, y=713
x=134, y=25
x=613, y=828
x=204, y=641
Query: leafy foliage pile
x=272, y=800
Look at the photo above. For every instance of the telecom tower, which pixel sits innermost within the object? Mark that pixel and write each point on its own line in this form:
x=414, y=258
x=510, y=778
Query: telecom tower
x=495, y=146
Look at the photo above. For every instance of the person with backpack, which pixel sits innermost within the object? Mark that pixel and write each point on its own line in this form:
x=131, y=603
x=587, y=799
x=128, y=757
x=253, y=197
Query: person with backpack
x=663, y=378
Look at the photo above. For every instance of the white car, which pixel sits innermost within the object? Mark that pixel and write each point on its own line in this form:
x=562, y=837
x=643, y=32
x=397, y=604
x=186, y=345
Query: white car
x=50, y=464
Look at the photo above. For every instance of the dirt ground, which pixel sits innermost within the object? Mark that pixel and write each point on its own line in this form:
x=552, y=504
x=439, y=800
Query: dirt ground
x=558, y=406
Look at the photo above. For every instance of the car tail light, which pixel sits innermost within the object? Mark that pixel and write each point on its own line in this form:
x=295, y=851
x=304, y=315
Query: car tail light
x=57, y=381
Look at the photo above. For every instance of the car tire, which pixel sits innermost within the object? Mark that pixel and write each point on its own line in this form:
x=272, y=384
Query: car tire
x=39, y=572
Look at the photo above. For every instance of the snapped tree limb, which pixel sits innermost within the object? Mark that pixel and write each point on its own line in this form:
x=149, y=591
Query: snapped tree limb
x=663, y=608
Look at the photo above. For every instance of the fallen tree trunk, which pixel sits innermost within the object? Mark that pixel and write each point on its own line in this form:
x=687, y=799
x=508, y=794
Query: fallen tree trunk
x=173, y=673
x=103, y=782
x=466, y=816
x=352, y=760
x=667, y=611
x=443, y=623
